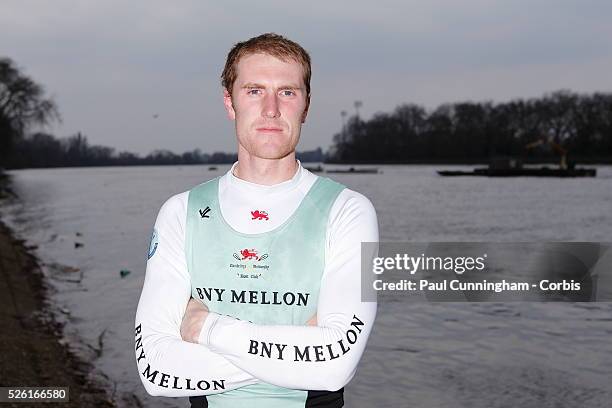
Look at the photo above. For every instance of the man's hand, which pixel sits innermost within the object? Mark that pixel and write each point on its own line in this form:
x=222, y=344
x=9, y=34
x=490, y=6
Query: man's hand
x=193, y=320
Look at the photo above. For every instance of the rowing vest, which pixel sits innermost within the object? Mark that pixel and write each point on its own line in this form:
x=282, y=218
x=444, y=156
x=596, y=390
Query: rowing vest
x=271, y=278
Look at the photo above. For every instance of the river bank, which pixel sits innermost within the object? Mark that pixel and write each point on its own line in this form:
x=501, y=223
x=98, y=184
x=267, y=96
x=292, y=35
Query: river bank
x=32, y=351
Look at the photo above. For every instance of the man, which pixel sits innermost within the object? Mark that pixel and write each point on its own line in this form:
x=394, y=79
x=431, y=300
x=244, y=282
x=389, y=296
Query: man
x=269, y=255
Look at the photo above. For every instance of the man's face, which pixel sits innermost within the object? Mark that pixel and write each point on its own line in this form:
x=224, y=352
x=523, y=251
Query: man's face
x=269, y=104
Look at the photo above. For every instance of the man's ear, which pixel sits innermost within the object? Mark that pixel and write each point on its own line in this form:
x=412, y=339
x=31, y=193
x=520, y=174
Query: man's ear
x=229, y=105
x=306, y=109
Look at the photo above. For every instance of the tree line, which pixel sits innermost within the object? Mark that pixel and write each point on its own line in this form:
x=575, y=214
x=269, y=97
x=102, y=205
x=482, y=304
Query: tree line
x=44, y=150
x=460, y=132
x=477, y=131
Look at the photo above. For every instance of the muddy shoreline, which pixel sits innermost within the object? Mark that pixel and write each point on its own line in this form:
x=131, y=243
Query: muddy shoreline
x=32, y=349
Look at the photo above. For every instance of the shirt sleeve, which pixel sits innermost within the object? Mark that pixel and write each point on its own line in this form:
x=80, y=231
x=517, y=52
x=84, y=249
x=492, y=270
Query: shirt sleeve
x=169, y=366
x=305, y=357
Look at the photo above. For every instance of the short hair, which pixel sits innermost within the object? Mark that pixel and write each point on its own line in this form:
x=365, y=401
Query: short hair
x=269, y=43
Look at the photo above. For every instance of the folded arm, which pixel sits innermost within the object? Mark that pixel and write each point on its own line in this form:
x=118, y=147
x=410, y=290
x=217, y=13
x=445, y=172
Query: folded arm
x=303, y=357
x=169, y=366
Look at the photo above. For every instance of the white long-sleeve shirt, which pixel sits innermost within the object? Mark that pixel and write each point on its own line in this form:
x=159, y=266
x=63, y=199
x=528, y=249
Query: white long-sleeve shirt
x=226, y=359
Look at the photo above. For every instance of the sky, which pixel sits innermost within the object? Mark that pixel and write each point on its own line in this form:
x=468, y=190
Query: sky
x=112, y=65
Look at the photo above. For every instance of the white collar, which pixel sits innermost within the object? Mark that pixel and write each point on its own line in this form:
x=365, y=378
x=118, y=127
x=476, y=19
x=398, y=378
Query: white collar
x=246, y=186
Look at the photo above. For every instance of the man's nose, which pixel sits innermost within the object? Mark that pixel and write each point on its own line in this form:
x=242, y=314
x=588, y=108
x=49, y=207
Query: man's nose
x=270, y=108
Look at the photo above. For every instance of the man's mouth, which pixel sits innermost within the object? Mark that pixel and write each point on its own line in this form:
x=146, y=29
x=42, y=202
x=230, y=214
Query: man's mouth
x=269, y=129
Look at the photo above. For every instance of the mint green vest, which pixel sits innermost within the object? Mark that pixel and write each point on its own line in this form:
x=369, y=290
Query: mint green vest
x=268, y=278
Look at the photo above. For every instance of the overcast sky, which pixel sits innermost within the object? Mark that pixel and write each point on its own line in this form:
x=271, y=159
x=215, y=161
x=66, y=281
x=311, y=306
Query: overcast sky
x=112, y=65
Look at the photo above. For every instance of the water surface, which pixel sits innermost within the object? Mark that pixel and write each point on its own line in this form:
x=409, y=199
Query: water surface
x=89, y=224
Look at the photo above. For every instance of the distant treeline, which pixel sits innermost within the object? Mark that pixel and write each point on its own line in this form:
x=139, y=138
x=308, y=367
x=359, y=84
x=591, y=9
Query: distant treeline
x=535, y=129
x=44, y=150
x=477, y=131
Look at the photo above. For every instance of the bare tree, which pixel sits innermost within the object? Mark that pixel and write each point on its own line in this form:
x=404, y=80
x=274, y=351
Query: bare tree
x=22, y=105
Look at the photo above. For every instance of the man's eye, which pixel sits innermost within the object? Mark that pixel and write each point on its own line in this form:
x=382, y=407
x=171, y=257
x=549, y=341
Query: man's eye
x=254, y=91
x=287, y=92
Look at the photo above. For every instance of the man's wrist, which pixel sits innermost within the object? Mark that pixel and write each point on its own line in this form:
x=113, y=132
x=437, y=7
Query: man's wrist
x=207, y=328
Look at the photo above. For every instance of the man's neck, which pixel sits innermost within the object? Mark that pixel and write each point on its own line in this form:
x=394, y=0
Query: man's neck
x=266, y=172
